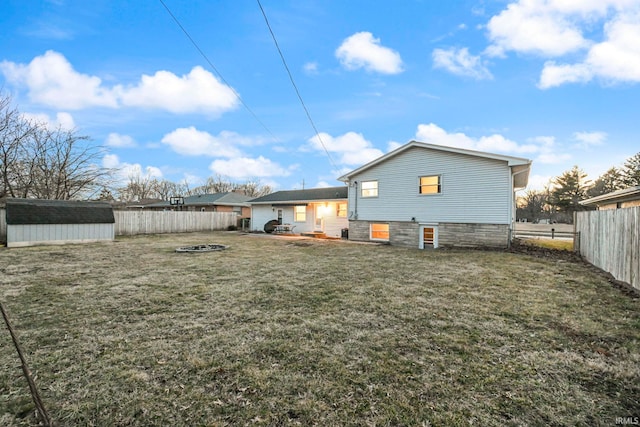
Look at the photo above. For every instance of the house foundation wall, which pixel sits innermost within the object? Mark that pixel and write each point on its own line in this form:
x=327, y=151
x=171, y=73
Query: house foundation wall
x=407, y=233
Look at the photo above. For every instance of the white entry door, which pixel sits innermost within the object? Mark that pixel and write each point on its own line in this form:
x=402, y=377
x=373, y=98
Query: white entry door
x=428, y=236
x=319, y=218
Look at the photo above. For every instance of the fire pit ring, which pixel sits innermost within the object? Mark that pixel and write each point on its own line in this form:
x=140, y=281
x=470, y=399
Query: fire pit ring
x=210, y=247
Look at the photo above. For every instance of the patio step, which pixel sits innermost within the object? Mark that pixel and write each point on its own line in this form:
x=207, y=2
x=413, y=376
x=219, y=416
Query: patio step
x=314, y=234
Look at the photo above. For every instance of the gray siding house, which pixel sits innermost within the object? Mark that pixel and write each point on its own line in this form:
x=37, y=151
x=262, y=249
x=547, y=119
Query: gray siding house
x=428, y=196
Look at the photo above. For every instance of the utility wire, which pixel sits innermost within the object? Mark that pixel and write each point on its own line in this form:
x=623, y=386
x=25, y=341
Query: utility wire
x=295, y=87
x=206, y=58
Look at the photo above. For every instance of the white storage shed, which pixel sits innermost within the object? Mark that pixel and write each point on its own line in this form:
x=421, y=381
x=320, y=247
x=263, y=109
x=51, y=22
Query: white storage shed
x=32, y=222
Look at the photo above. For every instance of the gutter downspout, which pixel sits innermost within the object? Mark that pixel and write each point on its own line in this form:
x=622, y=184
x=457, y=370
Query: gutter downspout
x=355, y=200
x=512, y=207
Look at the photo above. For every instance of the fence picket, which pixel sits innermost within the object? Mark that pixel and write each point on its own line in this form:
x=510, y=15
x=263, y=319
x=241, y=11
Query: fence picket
x=156, y=222
x=609, y=239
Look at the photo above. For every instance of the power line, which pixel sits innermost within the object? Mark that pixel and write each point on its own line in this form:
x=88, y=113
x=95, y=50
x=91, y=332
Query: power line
x=206, y=58
x=296, y=87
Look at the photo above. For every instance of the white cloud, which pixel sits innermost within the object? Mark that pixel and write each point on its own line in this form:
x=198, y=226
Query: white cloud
x=548, y=152
x=460, y=62
x=119, y=141
x=616, y=59
x=556, y=75
x=392, y=145
x=553, y=158
x=198, y=91
x=62, y=120
x=589, y=139
x=51, y=80
x=245, y=167
x=538, y=182
x=352, y=147
x=362, y=50
x=433, y=134
x=192, y=142
x=537, y=27
x=311, y=68
x=556, y=28
x=124, y=171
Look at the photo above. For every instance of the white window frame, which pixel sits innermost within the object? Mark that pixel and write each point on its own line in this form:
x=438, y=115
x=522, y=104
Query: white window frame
x=422, y=243
x=297, y=215
x=371, y=226
x=438, y=185
x=369, y=192
x=341, y=213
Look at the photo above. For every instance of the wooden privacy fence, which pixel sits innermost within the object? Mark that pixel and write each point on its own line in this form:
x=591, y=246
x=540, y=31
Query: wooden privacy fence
x=610, y=240
x=156, y=222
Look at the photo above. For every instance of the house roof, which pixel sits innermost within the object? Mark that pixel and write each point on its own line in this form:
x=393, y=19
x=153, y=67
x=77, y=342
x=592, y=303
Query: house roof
x=520, y=166
x=631, y=193
x=303, y=196
x=36, y=211
x=219, y=199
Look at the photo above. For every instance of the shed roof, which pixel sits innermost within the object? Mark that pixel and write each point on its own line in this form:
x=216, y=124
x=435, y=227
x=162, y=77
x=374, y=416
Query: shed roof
x=627, y=194
x=302, y=196
x=36, y=211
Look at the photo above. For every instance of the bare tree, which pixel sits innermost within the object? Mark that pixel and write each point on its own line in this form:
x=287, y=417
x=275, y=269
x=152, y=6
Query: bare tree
x=213, y=185
x=139, y=187
x=15, y=135
x=66, y=167
x=253, y=189
x=38, y=162
x=533, y=205
x=166, y=189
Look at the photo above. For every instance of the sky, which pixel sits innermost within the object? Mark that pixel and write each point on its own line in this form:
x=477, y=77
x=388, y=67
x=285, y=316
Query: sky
x=553, y=81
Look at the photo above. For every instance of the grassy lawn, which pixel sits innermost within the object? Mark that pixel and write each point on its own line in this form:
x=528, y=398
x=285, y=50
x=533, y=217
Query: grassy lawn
x=309, y=332
x=563, y=245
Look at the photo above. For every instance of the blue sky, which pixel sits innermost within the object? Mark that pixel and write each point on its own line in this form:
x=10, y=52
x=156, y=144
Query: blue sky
x=555, y=81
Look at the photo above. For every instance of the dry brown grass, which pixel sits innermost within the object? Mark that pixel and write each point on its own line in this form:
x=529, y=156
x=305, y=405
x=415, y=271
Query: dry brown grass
x=310, y=332
x=562, y=245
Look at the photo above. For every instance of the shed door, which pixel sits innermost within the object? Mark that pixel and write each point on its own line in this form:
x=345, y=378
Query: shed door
x=428, y=237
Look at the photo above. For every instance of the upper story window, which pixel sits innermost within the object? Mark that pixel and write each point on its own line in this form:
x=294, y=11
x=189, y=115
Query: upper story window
x=369, y=188
x=430, y=184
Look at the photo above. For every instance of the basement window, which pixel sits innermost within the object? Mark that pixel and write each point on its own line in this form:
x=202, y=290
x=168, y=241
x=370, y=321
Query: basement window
x=379, y=232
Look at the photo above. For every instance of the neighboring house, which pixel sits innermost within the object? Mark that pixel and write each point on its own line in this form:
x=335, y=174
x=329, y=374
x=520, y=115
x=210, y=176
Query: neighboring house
x=425, y=196
x=217, y=202
x=322, y=210
x=627, y=198
x=133, y=204
x=38, y=222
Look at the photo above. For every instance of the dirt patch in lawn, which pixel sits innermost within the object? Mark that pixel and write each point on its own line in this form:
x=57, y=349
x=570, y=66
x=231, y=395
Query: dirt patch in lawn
x=314, y=332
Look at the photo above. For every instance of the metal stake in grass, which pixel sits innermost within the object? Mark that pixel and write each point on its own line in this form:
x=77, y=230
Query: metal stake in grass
x=46, y=420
